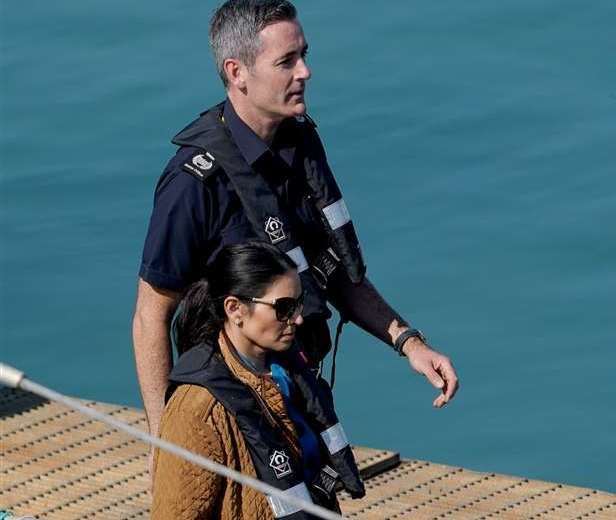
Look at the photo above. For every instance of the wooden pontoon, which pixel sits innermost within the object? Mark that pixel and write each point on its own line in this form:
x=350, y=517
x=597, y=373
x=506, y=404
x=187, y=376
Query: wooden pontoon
x=57, y=464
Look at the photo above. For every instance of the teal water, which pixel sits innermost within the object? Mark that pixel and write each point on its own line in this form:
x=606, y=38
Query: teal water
x=476, y=145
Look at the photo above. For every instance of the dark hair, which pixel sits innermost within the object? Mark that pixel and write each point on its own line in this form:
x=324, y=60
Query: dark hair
x=235, y=28
x=238, y=270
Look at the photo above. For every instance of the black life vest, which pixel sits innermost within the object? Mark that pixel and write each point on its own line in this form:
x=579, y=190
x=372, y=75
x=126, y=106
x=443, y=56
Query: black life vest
x=272, y=457
x=266, y=214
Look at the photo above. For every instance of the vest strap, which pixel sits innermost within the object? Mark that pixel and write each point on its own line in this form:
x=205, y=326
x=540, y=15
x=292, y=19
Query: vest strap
x=335, y=438
x=326, y=480
x=337, y=214
x=297, y=255
x=274, y=460
x=280, y=508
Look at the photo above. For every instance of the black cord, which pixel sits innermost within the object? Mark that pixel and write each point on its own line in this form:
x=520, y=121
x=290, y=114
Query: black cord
x=332, y=377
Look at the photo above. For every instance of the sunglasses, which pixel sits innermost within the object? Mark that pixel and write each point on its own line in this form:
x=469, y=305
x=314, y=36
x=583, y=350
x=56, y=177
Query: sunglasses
x=286, y=308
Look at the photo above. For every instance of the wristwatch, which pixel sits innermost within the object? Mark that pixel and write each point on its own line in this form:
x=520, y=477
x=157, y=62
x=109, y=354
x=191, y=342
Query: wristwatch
x=408, y=333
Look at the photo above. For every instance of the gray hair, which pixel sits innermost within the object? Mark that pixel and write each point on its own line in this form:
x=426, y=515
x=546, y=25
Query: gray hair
x=235, y=28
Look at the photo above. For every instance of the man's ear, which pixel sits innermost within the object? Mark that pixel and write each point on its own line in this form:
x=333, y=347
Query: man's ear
x=235, y=71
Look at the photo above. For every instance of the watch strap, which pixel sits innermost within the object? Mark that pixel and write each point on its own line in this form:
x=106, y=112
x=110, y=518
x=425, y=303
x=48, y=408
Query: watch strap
x=408, y=333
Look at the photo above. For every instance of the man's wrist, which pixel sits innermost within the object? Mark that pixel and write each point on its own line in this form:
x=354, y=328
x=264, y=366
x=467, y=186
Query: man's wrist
x=412, y=344
x=407, y=340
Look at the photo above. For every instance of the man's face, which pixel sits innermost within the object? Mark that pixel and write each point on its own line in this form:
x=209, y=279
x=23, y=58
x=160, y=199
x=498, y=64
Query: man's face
x=275, y=84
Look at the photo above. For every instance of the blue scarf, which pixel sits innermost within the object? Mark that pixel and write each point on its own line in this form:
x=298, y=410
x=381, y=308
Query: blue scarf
x=308, y=440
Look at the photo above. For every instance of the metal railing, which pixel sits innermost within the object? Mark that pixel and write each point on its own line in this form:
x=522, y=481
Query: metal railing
x=13, y=378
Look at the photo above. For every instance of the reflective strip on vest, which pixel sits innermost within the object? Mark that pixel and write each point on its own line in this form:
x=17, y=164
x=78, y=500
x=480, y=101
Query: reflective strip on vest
x=281, y=508
x=297, y=255
x=335, y=439
x=337, y=214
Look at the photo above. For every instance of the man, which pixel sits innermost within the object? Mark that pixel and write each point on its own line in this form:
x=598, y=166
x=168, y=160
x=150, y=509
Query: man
x=254, y=166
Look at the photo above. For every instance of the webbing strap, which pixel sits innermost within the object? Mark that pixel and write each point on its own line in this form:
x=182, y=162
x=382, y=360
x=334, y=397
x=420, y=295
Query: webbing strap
x=280, y=508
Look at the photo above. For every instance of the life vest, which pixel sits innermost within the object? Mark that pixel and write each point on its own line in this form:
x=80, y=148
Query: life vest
x=271, y=455
x=268, y=218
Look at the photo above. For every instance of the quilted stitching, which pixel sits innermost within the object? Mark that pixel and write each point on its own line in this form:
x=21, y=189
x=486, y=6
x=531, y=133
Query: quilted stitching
x=195, y=420
x=181, y=489
x=265, y=387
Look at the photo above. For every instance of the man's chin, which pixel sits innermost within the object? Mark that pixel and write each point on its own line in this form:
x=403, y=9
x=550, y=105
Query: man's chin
x=299, y=109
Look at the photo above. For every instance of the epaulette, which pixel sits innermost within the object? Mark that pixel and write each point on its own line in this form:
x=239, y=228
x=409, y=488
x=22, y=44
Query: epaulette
x=201, y=165
x=306, y=119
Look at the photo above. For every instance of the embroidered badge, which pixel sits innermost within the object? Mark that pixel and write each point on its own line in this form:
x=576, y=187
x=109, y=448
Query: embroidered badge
x=203, y=162
x=279, y=462
x=200, y=163
x=275, y=230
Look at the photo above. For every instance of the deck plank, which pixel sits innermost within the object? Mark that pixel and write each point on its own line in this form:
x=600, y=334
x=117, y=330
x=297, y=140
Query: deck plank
x=58, y=464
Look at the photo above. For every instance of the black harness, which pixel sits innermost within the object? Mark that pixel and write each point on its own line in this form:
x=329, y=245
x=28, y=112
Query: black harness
x=267, y=215
x=271, y=455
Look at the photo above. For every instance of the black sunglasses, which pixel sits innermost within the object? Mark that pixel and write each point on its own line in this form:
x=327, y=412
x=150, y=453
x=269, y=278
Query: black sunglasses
x=286, y=308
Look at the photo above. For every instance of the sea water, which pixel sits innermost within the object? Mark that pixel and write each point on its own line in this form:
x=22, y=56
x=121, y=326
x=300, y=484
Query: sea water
x=476, y=146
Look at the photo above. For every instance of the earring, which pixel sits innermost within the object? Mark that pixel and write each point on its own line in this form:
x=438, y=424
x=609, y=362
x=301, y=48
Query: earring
x=238, y=323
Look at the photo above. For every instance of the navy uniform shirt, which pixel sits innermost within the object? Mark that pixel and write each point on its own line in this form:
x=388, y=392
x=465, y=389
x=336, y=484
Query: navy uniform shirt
x=193, y=219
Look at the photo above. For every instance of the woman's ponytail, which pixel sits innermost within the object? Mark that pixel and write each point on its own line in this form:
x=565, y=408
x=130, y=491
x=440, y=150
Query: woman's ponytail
x=199, y=318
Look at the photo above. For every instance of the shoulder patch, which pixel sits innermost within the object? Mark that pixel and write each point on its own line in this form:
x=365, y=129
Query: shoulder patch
x=201, y=165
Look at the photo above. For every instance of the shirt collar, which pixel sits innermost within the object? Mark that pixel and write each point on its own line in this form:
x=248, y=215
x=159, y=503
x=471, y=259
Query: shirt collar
x=251, y=146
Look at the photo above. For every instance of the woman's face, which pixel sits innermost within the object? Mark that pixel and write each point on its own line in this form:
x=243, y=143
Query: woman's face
x=261, y=327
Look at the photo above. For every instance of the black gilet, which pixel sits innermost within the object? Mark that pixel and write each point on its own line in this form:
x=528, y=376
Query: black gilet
x=272, y=457
x=267, y=216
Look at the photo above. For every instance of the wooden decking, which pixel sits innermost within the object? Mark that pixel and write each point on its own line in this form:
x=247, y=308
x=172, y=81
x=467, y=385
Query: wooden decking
x=58, y=464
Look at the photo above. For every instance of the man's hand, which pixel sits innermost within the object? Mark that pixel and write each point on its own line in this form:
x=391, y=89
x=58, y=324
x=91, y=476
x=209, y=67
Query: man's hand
x=435, y=366
x=364, y=306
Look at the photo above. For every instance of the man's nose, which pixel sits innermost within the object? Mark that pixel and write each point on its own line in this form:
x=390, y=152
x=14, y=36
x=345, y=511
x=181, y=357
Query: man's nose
x=303, y=71
x=299, y=320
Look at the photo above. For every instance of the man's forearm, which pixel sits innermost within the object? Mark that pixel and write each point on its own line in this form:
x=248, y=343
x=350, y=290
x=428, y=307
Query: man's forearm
x=364, y=306
x=153, y=313
x=153, y=361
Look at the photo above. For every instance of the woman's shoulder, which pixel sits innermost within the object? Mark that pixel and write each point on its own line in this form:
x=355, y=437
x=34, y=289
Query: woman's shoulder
x=190, y=402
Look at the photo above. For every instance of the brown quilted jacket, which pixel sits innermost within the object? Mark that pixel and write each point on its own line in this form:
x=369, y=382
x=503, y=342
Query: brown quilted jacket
x=197, y=421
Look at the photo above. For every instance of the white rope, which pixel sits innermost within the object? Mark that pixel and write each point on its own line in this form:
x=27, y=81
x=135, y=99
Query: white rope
x=12, y=377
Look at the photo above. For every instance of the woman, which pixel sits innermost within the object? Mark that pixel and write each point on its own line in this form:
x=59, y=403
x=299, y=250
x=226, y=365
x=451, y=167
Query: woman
x=242, y=395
